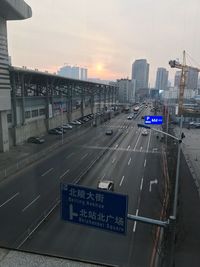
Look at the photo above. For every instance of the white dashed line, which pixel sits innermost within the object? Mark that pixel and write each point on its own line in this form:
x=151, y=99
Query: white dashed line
x=9, y=199
x=113, y=160
x=137, y=141
x=129, y=161
x=121, y=181
x=141, y=184
x=64, y=173
x=145, y=162
x=103, y=176
x=135, y=223
x=31, y=203
x=84, y=156
x=128, y=147
x=69, y=155
x=148, y=142
x=47, y=172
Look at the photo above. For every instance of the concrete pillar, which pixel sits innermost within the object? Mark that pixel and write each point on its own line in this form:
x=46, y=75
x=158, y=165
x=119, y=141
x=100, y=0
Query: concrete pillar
x=23, y=100
x=92, y=103
x=99, y=108
x=4, y=141
x=5, y=102
x=82, y=102
x=69, y=104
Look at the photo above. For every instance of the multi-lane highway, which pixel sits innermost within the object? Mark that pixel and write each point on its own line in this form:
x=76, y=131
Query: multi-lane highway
x=131, y=160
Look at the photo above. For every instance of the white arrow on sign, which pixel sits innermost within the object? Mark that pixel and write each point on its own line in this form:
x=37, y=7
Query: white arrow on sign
x=151, y=183
x=71, y=213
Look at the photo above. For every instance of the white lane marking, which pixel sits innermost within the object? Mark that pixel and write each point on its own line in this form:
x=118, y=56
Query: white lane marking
x=128, y=147
x=9, y=199
x=31, y=203
x=145, y=162
x=148, y=142
x=69, y=155
x=154, y=149
x=129, y=161
x=116, y=146
x=64, y=173
x=103, y=176
x=135, y=223
x=84, y=156
x=137, y=141
x=151, y=183
x=51, y=169
x=141, y=148
x=113, y=160
x=141, y=184
x=121, y=181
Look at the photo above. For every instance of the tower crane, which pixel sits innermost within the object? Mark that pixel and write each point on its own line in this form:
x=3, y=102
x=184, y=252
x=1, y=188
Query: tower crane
x=184, y=69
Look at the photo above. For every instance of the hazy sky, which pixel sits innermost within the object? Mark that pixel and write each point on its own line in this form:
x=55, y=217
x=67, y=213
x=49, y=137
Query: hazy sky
x=106, y=35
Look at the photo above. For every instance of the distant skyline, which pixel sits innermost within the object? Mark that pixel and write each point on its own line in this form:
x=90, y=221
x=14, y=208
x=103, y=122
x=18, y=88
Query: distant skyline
x=106, y=36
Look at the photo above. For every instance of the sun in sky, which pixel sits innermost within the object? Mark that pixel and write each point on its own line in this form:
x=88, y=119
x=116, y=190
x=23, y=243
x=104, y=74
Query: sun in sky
x=99, y=67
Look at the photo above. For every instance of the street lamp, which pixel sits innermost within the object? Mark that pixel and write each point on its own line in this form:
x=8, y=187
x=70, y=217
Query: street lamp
x=173, y=217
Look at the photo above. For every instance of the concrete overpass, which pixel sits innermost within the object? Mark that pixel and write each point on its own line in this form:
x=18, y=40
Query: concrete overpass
x=9, y=10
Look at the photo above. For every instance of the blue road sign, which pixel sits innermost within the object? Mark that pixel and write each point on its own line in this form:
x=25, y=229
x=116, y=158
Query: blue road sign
x=153, y=119
x=97, y=208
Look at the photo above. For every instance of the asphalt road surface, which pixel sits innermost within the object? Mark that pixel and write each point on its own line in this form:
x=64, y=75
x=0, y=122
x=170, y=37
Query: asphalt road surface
x=132, y=161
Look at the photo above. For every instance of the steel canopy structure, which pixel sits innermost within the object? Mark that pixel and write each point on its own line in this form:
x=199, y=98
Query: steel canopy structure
x=32, y=84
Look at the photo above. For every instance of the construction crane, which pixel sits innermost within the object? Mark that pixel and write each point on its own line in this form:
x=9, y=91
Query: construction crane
x=184, y=69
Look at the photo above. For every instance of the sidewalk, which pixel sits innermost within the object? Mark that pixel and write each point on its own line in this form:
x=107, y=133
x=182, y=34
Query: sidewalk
x=191, y=150
x=188, y=231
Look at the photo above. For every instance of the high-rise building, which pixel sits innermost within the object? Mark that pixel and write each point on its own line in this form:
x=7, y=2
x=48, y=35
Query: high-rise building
x=65, y=71
x=126, y=91
x=191, y=79
x=83, y=74
x=177, y=79
x=161, y=79
x=73, y=72
x=140, y=73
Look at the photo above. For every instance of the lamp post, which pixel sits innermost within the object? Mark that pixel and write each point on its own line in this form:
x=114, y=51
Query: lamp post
x=173, y=217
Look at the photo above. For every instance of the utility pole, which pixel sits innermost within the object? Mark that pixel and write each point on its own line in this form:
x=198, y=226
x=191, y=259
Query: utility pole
x=173, y=217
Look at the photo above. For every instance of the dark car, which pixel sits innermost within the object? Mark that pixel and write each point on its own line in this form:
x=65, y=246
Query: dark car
x=109, y=132
x=54, y=131
x=35, y=140
x=62, y=129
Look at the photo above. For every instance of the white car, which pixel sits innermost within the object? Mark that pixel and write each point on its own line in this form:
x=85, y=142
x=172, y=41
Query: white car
x=130, y=117
x=144, y=132
x=75, y=122
x=106, y=185
x=67, y=126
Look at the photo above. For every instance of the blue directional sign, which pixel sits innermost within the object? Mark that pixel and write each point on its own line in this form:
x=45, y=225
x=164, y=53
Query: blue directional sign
x=97, y=208
x=153, y=119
